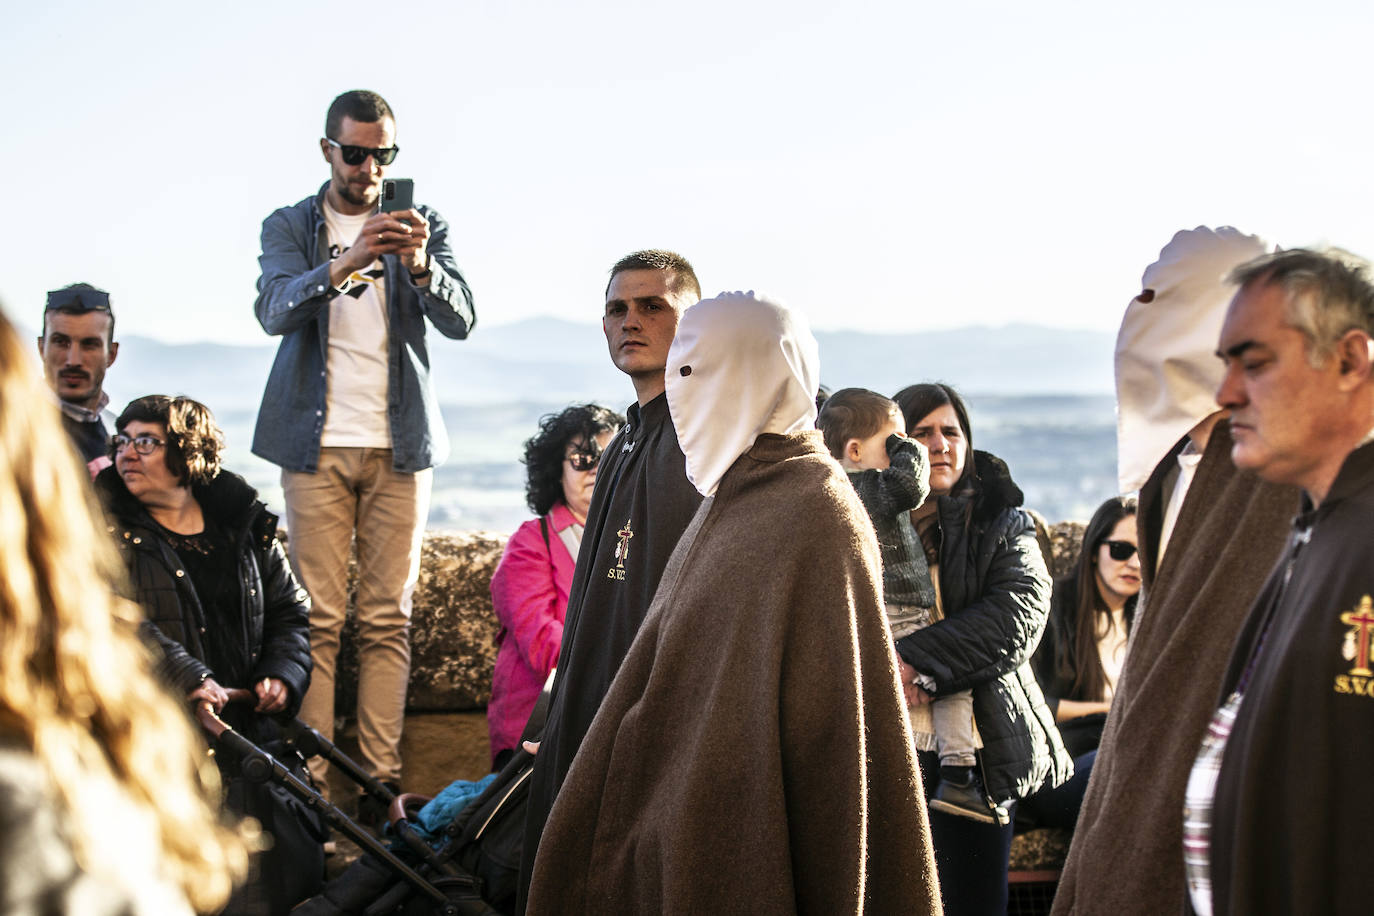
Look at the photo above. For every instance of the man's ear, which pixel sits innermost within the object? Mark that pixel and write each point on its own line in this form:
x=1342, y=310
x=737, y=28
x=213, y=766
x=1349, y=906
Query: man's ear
x=853, y=450
x=324, y=148
x=1355, y=358
x=114, y=351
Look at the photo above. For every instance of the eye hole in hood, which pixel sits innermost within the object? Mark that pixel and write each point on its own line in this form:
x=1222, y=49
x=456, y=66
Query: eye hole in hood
x=740, y=366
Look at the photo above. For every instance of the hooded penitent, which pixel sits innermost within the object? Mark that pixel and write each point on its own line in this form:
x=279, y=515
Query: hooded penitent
x=752, y=754
x=1127, y=852
x=1167, y=370
x=739, y=366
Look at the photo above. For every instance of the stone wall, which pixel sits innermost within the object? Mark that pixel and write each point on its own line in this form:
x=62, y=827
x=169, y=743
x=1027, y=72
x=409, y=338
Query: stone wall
x=1066, y=538
x=453, y=628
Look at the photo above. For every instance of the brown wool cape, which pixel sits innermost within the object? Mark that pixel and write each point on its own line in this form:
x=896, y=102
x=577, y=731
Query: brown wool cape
x=753, y=754
x=1127, y=851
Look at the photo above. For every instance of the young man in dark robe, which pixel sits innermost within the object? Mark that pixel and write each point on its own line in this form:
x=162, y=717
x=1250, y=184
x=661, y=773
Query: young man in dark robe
x=639, y=508
x=753, y=753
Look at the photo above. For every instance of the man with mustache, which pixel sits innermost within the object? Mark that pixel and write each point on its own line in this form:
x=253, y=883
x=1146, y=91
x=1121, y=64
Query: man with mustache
x=640, y=507
x=77, y=347
x=349, y=412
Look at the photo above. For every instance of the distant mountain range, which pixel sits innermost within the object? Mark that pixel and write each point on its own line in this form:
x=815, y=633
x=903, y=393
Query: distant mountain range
x=552, y=360
x=1041, y=399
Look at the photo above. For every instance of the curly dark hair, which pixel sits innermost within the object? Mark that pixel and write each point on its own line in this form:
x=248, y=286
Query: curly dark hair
x=545, y=451
x=194, y=440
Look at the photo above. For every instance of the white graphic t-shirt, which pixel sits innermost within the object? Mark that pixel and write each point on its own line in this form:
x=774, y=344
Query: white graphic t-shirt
x=357, y=361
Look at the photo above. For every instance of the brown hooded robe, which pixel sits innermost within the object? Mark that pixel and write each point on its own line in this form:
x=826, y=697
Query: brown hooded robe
x=752, y=755
x=1127, y=852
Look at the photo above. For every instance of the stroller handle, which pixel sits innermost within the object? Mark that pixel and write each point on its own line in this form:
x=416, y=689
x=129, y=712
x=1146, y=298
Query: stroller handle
x=210, y=720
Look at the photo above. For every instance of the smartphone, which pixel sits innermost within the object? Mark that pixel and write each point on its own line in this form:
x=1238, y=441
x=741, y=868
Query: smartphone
x=397, y=194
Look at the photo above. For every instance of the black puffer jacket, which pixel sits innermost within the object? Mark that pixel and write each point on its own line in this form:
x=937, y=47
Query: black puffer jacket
x=275, y=609
x=995, y=592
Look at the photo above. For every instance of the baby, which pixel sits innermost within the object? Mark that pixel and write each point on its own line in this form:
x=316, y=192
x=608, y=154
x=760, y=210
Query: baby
x=864, y=431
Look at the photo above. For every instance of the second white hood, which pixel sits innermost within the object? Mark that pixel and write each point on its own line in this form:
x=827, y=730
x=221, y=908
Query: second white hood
x=1167, y=371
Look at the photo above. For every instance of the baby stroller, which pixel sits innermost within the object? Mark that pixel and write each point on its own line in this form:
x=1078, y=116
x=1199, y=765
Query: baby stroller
x=475, y=845
x=409, y=875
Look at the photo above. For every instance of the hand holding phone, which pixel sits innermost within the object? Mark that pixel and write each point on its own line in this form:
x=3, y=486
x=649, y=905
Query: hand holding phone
x=398, y=197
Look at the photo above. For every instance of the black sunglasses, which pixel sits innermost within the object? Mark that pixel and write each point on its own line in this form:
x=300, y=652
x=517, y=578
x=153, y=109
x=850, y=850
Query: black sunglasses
x=78, y=300
x=1120, y=550
x=356, y=155
x=585, y=459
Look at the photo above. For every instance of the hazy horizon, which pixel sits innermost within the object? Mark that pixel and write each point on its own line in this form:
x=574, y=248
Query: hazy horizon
x=30, y=329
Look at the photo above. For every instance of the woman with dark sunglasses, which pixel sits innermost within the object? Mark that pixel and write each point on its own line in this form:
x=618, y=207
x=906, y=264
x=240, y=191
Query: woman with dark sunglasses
x=530, y=587
x=1080, y=656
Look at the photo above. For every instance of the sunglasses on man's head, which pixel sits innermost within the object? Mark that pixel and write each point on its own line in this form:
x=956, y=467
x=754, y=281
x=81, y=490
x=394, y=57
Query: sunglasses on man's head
x=1120, y=550
x=356, y=155
x=78, y=300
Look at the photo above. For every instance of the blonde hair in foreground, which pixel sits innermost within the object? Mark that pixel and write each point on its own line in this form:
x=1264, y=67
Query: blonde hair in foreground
x=76, y=685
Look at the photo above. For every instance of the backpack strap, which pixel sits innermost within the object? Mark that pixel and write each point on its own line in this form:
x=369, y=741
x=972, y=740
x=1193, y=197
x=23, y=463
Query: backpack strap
x=534, y=726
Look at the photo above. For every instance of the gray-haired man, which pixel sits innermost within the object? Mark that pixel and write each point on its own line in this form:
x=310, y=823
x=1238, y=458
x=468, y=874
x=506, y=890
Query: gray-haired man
x=1278, y=808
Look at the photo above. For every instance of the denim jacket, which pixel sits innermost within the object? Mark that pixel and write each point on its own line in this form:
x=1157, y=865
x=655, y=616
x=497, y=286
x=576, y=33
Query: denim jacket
x=293, y=301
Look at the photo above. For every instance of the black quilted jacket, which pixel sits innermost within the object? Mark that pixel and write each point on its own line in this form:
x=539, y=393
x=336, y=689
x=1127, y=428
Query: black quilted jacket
x=276, y=610
x=995, y=592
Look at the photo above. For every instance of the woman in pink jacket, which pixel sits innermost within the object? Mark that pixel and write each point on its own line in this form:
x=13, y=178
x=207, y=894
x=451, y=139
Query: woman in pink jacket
x=530, y=587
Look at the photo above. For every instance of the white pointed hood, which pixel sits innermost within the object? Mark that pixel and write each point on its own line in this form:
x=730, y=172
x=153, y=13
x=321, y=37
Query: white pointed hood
x=1167, y=371
x=739, y=366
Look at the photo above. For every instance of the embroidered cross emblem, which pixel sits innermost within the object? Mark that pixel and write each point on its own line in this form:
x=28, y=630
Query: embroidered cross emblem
x=1362, y=622
x=622, y=550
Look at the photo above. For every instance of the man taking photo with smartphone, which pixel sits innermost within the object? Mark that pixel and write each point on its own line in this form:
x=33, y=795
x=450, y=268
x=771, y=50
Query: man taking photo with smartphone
x=349, y=413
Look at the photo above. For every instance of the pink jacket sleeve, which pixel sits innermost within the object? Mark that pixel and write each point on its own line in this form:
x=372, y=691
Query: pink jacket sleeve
x=530, y=601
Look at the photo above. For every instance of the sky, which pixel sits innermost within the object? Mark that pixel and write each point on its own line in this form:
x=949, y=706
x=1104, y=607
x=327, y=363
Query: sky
x=887, y=166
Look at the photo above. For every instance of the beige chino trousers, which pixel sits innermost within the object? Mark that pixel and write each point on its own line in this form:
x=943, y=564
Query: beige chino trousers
x=355, y=497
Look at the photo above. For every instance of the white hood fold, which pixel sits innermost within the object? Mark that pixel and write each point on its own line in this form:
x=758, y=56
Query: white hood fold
x=1167, y=371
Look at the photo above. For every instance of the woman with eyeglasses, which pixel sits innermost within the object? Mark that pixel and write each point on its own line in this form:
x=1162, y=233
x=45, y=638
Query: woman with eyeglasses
x=530, y=587
x=220, y=602
x=1084, y=646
